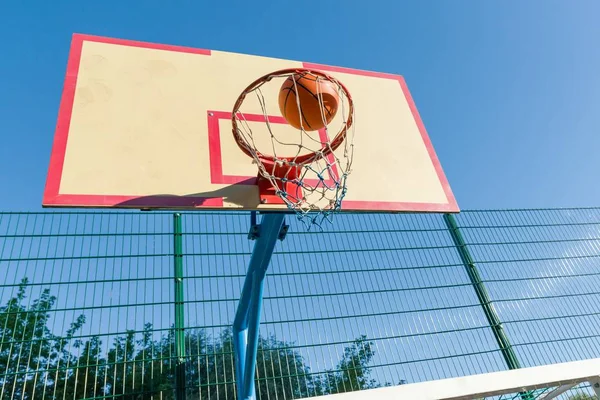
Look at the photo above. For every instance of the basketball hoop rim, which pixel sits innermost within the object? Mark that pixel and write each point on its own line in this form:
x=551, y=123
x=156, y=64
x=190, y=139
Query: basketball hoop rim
x=306, y=158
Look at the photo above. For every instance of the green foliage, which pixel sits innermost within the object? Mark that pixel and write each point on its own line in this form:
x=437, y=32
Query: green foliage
x=28, y=346
x=37, y=364
x=352, y=372
x=582, y=396
x=579, y=396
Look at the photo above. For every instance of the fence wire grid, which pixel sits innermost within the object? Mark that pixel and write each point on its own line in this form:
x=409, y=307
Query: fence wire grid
x=140, y=305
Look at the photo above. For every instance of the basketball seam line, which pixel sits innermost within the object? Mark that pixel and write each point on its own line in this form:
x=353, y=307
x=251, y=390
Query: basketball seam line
x=289, y=89
x=316, y=96
x=302, y=116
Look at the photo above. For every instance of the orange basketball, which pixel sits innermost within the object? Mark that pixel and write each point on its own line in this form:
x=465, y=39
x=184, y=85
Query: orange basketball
x=308, y=91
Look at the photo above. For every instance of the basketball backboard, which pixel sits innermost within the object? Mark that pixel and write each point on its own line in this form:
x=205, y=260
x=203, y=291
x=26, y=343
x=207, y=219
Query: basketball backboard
x=144, y=125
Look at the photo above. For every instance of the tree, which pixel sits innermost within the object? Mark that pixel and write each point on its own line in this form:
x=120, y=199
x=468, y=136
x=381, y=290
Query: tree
x=31, y=357
x=583, y=396
x=352, y=372
x=280, y=371
x=35, y=363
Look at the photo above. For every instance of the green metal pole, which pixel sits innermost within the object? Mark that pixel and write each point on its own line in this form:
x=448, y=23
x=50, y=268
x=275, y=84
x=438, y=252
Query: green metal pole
x=484, y=299
x=179, y=315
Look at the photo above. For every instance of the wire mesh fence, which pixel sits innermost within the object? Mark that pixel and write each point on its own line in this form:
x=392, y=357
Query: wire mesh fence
x=90, y=307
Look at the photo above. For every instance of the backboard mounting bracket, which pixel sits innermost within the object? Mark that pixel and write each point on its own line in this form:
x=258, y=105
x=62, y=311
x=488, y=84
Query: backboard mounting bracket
x=254, y=229
x=254, y=232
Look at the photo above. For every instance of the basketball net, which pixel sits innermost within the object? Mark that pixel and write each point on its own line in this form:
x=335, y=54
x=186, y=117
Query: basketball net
x=304, y=170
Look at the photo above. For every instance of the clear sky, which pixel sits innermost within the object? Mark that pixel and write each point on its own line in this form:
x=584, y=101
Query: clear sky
x=508, y=90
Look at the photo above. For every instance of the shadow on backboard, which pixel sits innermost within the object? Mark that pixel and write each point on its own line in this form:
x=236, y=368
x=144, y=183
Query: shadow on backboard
x=239, y=195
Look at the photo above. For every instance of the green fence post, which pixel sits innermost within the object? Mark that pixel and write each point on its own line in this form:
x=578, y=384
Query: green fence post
x=179, y=315
x=484, y=299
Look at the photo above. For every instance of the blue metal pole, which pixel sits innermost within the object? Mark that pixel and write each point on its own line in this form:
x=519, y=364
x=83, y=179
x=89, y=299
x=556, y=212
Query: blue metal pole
x=247, y=317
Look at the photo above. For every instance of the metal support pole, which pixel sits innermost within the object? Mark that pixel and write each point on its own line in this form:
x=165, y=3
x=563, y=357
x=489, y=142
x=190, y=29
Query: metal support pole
x=488, y=308
x=179, y=315
x=247, y=317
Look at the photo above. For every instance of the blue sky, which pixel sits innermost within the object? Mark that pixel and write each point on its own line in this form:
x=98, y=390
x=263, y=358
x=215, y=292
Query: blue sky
x=508, y=91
